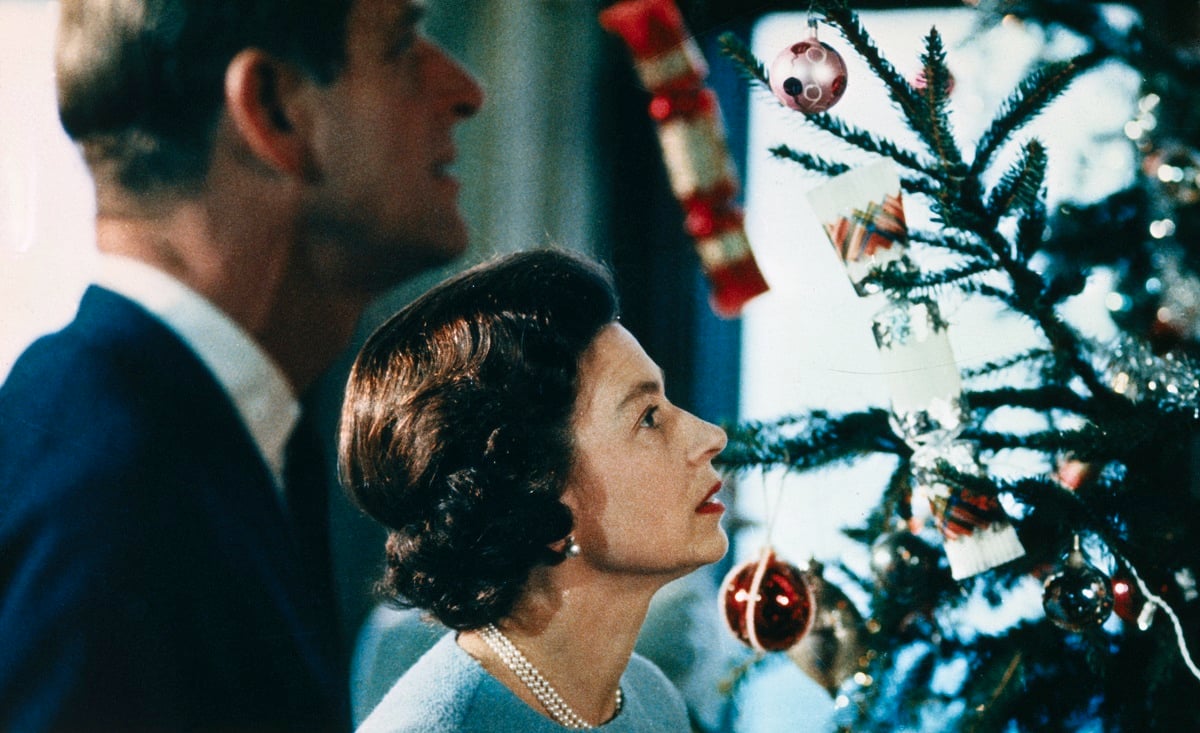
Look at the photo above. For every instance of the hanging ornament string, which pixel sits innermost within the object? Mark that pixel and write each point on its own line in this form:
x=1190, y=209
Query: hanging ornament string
x=754, y=595
x=1160, y=603
x=773, y=508
x=767, y=603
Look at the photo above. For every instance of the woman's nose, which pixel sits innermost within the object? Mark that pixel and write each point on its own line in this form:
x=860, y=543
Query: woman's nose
x=710, y=441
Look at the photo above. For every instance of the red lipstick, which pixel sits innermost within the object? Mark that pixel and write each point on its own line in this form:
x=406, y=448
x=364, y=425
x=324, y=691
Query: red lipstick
x=711, y=504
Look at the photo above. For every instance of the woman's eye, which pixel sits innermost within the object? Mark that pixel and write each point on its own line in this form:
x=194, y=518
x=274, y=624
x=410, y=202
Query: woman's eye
x=650, y=418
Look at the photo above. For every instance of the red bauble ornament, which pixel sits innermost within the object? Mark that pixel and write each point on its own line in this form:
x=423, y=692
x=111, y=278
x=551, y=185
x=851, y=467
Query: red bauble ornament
x=1127, y=598
x=767, y=603
x=1130, y=604
x=809, y=76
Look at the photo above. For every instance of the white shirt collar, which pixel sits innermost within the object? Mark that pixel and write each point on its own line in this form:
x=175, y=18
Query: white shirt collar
x=256, y=385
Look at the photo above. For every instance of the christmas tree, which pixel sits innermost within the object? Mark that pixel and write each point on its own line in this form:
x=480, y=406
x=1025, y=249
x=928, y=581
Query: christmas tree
x=1108, y=518
x=1152, y=227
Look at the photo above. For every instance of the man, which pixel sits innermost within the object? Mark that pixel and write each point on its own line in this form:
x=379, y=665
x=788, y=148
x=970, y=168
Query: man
x=263, y=168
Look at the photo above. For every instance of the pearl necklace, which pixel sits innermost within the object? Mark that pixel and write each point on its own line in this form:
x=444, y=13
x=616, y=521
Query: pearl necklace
x=533, y=679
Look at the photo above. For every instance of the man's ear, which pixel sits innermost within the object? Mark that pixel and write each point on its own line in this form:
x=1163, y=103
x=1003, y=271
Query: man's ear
x=266, y=101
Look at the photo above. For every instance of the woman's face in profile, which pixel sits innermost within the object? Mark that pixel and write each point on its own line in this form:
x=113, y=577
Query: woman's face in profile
x=642, y=486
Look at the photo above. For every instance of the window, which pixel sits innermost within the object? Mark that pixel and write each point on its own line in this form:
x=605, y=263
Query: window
x=807, y=344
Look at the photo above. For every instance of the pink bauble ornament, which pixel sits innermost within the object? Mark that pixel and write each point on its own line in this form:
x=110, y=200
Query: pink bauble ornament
x=809, y=76
x=767, y=603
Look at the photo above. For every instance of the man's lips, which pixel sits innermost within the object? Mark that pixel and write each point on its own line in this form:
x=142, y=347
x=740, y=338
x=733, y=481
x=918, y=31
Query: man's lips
x=711, y=504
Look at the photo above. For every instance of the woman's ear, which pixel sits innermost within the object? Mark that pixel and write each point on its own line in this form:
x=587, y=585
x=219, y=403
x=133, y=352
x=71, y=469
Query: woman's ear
x=567, y=547
x=265, y=99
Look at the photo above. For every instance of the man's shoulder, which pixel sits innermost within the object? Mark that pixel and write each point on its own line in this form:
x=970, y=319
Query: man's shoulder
x=106, y=378
x=109, y=413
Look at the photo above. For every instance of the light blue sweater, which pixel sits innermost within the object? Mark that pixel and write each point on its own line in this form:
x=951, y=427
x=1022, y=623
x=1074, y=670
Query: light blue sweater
x=447, y=691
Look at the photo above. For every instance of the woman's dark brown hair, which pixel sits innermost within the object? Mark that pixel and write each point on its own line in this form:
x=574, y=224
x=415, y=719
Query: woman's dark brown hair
x=456, y=430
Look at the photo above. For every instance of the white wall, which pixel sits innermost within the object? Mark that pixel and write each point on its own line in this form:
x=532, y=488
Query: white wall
x=47, y=248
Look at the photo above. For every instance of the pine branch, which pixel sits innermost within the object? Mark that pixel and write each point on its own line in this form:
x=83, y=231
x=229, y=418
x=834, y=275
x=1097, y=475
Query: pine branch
x=1025, y=357
x=1027, y=298
x=1031, y=96
x=1042, y=399
x=936, y=95
x=1072, y=514
x=809, y=441
x=1064, y=285
x=748, y=65
x=923, y=186
x=1122, y=216
x=1004, y=296
x=1031, y=228
x=1049, y=442
x=810, y=162
x=960, y=242
x=916, y=282
x=912, y=106
x=753, y=70
x=870, y=143
x=1021, y=186
x=1134, y=47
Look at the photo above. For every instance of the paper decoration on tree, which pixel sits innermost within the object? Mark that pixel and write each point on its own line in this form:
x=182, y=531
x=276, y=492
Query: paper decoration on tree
x=862, y=212
x=976, y=533
x=692, y=136
x=921, y=372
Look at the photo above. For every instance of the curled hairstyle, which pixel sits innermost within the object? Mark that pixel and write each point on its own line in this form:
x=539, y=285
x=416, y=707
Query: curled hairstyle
x=141, y=82
x=456, y=430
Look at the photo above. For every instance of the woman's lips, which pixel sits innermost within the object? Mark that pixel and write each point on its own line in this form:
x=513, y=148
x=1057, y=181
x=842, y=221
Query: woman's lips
x=711, y=504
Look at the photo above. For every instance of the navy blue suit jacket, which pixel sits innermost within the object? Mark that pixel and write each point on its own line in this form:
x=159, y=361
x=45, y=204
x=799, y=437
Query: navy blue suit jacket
x=148, y=578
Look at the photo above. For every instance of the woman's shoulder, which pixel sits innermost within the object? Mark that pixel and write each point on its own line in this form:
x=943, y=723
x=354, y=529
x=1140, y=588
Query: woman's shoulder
x=645, y=676
x=447, y=691
x=652, y=704
x=434, y=695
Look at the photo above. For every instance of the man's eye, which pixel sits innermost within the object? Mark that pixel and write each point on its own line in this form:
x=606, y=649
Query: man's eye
x=650, y=418
x=413, y=29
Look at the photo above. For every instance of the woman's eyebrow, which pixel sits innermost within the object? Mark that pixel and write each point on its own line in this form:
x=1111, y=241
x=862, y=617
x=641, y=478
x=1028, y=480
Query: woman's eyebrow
x=649, y=386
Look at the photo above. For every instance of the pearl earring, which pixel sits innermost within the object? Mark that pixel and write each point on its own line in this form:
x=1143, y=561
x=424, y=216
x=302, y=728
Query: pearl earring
x=572, y=548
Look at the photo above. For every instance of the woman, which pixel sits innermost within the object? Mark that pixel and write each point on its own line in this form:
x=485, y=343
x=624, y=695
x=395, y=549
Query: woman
x=538, y=488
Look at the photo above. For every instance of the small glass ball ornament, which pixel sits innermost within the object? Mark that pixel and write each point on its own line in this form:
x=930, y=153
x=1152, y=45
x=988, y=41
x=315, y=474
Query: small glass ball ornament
x=767, y=603
x=1077, y=597
x=903, y=560
x=809, y=76
x=832, y=650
